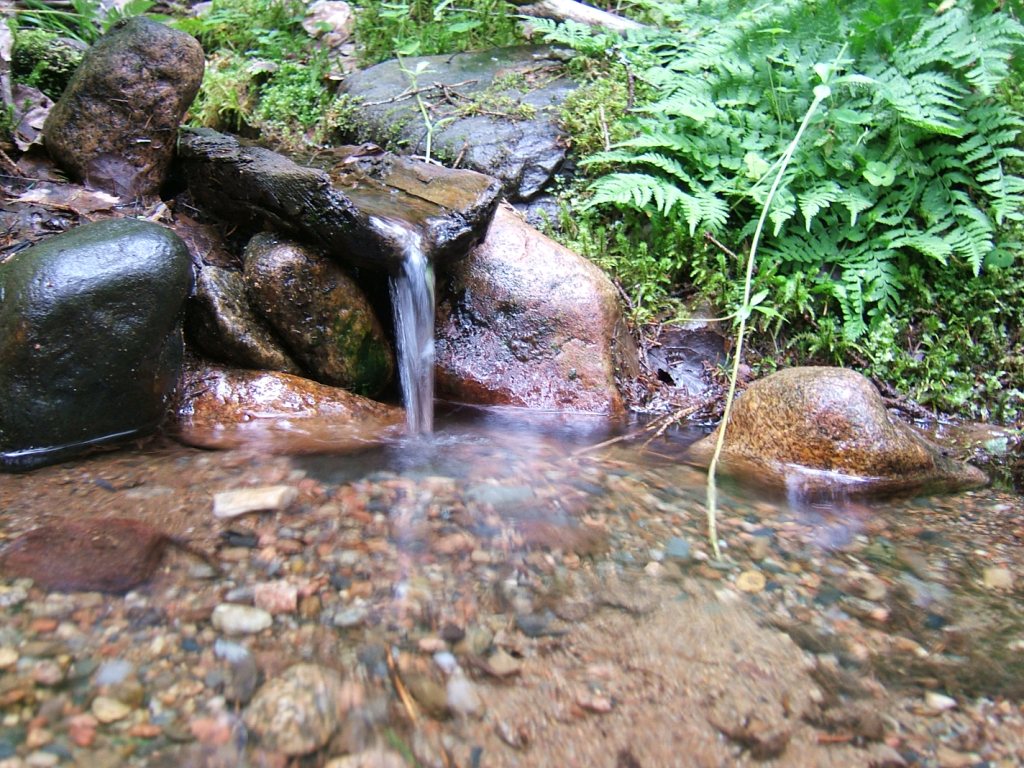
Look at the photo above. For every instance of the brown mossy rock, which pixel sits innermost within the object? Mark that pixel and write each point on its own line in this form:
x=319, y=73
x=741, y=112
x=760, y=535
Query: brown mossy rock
x=116, y=124
x=817, y=428
x=321, y=314
x=222, y=324
x=526, y=322
x=224, y=408
x=99, y=555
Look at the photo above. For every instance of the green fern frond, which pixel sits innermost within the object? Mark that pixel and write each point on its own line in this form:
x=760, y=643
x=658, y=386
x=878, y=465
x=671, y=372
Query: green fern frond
x=931, y=245
x=817, y=198
x=664, y=163
x=927, y=100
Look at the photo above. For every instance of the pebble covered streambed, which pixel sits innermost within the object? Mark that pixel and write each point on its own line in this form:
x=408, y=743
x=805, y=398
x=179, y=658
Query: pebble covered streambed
x=502, y=594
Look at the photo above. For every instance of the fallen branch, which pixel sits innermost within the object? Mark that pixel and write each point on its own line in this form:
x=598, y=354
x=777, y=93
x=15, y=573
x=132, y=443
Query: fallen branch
x=658, y=426
x=570, y=10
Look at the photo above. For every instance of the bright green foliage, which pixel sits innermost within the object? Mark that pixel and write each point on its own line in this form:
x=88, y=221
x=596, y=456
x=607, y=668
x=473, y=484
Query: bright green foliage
x=262, y=72
x=424, y=27
x=43, y=60
x=82, y=20
x=255, y=27
x=908, y=166
x=589, y=114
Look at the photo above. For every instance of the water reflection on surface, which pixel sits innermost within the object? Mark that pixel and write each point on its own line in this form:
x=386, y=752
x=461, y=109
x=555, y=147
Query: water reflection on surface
x=561, y=564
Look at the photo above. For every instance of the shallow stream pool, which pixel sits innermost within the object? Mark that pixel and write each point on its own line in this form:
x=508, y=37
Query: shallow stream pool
x=514, y=591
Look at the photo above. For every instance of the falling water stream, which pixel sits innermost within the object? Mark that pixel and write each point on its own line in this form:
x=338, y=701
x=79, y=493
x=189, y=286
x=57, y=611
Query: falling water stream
x=412, y=299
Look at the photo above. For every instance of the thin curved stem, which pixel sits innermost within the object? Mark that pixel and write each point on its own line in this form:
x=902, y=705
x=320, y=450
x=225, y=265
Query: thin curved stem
x=821, y=93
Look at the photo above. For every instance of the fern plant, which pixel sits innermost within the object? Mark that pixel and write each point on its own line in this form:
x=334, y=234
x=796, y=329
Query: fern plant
x=910, y=163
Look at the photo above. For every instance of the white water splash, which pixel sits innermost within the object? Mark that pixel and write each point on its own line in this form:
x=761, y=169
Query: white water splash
x=412, y=300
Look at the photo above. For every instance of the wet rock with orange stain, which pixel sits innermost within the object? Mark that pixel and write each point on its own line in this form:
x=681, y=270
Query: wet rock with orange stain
x=526, y=322
x=276, y=413
x=813, y=429
x=100, y=555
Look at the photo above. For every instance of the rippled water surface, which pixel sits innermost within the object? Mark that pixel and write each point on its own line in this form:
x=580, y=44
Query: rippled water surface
x=521, y=590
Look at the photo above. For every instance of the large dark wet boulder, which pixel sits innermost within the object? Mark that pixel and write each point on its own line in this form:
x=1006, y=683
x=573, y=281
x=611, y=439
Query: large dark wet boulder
x=353, y=209
x=816, y=429
x=220, y=408
x=221, y=322
x=325, y=320
x=114, y=128
x=494, y=111
x=526, y=322
x=90, y=338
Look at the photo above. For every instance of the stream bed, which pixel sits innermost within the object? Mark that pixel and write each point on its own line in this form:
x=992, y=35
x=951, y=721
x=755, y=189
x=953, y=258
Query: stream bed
x=515, y=591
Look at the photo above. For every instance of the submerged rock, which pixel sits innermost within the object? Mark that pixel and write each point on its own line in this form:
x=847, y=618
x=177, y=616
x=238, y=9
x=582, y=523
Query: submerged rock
x=276, y=413
x=297, y=712
x=321, y=314
x=496, y=111
x=90, y=338
x=223, y=325
x=526, y=322
x=108, y=555
x=814, y=429
x=114, y=128
x=342, y=210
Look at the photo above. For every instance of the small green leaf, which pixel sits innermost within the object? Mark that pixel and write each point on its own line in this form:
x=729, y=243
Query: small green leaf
x=879, y=174
x=758, y=297
x=461, y=27
x=757, y=167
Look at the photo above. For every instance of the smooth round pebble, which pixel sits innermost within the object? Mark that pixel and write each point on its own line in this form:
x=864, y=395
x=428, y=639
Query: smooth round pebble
x=463, y=696
x=750, y=581
x=939, y=702
x=297, y=712
x=233, y=619
x=108, y=710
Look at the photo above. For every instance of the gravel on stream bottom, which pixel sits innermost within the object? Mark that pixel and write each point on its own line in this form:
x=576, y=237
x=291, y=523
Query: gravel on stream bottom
x=510, y=600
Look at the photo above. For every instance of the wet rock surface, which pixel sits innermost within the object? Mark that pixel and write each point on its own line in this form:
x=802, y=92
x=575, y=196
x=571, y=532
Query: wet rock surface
x=448, y=209
x=109, y=555
x=275, y=412
x=298, y=711
x=114, y=128
x=493, y=111
x=222, y=324
x=255, y=186
x=526, y=322
x=683, y=357
x=325, y=320
x=90, y=338
x=816, y=429
x=447, y=622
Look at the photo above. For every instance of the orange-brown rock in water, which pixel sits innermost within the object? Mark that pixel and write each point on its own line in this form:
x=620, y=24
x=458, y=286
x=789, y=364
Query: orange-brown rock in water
x=524, y=321
x=815, y=428
x=100, y=555
x=276, y=413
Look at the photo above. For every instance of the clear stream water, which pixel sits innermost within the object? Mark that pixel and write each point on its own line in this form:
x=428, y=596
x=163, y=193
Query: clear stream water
x=584, y=562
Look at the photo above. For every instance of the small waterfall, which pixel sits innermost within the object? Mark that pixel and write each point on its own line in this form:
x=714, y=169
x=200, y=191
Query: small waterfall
x=412, y=300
